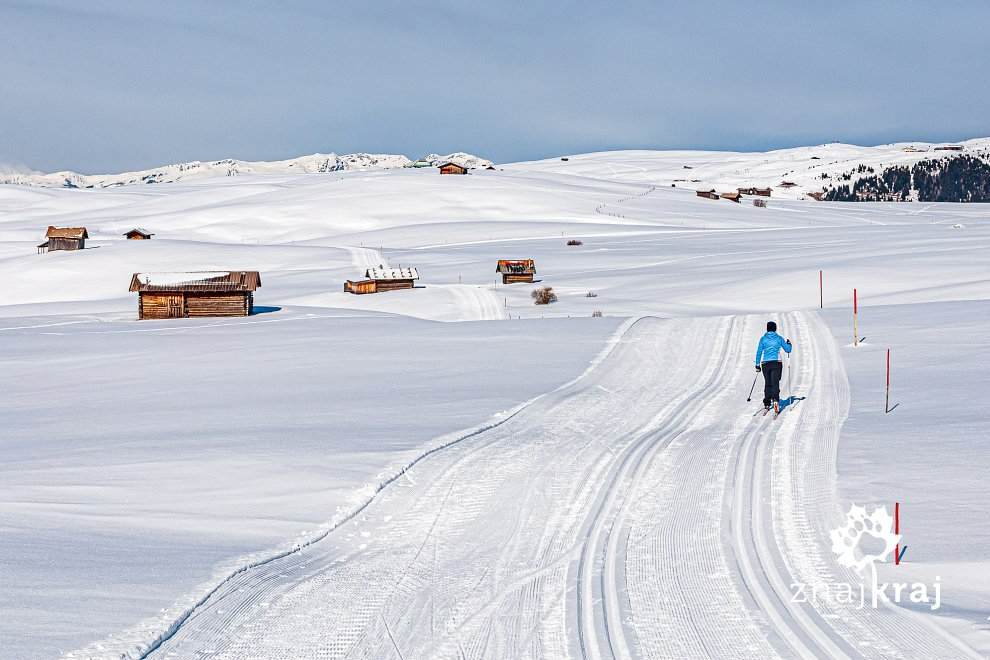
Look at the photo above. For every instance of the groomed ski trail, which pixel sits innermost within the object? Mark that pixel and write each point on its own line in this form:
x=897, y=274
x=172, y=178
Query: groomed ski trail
x=641, y=511
x=473, y=553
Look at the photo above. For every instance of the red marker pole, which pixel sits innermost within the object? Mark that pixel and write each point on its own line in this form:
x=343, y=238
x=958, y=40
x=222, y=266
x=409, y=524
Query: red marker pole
x=886, y=403
x=855, y=318
x=897, y=530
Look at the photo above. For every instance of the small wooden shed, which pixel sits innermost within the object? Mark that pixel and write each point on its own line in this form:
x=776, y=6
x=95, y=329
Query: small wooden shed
x=64, y=238
x=195, y=294
x=731, y=196
x=516, y=270
x=710, y=194
x=383, y=278
x=138, y=234
x=452, y=168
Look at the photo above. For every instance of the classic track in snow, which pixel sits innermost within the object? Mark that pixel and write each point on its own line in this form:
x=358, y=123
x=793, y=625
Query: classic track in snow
x=641, y=511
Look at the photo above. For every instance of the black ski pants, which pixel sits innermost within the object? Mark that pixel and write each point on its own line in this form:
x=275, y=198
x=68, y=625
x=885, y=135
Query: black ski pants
x=772, y=372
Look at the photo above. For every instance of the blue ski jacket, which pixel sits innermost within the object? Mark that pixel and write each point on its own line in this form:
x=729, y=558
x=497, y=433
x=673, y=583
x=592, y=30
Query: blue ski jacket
x=769, y=347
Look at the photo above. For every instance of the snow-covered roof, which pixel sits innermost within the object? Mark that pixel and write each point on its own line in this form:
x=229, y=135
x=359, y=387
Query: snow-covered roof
x=389, y=273
x=138, y=230
x=67, y=232
x=221, y=280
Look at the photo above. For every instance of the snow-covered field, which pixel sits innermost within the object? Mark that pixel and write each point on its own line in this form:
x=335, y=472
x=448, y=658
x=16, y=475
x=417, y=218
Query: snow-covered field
x=555, y=485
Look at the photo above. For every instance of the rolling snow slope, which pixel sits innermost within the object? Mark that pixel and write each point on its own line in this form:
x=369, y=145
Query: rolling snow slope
x=809, y=168
x=160, y=519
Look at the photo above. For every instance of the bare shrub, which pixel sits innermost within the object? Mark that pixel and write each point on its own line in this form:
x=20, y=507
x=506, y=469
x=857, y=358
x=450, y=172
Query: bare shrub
x=544, y=295
x=575, y=241
x=591, y=294
x=761, y=203
x=596, y=314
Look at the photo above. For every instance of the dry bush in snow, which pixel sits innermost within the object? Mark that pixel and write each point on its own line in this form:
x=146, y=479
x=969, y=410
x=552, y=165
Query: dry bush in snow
x=544, y=295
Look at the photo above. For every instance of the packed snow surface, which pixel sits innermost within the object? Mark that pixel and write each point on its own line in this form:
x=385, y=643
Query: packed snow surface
x=453, y=471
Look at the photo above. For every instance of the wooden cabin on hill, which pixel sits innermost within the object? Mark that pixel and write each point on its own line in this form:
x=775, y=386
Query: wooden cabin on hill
x=138, y=234
x=383, y=278
x=452, y=168
x=516, y=270
x=759, y=192
x=64, y=238
x=731, y=196
x=195, y=294
x=710, y=194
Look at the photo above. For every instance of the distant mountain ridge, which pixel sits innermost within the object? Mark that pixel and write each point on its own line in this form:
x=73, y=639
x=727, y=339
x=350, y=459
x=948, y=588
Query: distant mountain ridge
x=315, y=163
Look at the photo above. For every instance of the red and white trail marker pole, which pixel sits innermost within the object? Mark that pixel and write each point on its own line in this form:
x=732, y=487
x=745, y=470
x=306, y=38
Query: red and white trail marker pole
x=886, y=403
x=855, y=318
x=897, y=530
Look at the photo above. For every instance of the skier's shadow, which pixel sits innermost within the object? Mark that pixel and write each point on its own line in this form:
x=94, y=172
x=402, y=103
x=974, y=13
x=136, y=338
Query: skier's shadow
x=790, y=401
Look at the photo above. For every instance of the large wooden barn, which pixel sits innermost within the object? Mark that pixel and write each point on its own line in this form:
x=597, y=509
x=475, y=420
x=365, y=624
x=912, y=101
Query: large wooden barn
x=516, y=270
x=452, y=168
x=195, y=294
x=383, y=278
x=138, y=234
x=64, y=238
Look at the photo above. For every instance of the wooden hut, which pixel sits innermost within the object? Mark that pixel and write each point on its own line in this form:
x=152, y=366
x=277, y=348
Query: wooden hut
x=731, y=196
x=383, y=278
x=452, y=168
x=760, y=192
x=516, y=270
x=195, y=294
x=710, y=194
x=64, y=238
x=138, y=234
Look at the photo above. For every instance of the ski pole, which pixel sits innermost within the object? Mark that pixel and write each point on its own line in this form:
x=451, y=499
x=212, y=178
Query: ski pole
x=750, y=397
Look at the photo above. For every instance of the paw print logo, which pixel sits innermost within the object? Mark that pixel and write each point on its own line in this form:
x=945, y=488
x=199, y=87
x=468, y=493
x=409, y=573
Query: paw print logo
x=846, y=539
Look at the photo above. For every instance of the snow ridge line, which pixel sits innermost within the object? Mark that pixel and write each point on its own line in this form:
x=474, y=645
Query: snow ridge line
x=140, y=650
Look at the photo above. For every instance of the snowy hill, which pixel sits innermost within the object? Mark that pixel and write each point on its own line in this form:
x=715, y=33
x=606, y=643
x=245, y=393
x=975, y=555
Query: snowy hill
x=315, y=163
x=811, y=169
x=538, y=478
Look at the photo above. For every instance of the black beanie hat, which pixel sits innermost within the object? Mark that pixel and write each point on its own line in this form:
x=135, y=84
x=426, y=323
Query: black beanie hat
x=771, y=326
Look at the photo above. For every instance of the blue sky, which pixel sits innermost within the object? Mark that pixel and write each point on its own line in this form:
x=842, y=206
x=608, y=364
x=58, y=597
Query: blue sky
x=105, y=86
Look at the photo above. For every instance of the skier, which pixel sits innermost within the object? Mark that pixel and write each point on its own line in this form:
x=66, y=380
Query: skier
x=768, y=361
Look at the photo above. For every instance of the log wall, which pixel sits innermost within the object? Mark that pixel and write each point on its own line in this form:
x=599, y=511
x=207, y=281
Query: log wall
x=66, y=244
x=194, y=305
